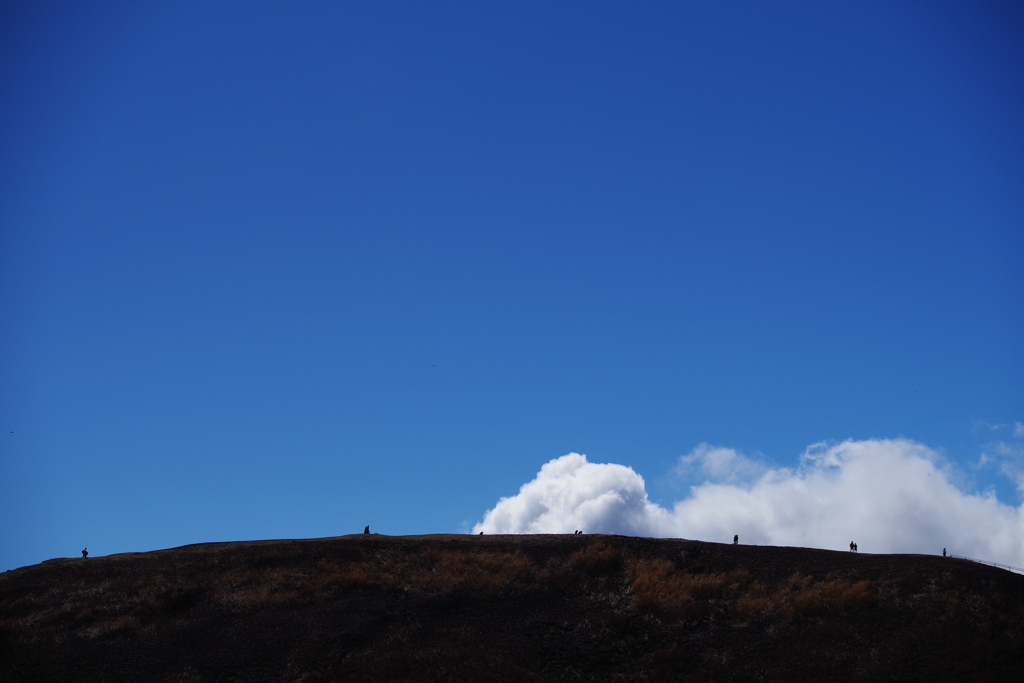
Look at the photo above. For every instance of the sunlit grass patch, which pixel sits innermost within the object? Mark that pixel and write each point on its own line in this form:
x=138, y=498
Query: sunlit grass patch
x=670, y=594
x=597, y=559
x=659, y=588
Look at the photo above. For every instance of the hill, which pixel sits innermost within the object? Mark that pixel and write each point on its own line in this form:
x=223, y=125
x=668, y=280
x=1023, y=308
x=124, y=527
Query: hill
x=509, y=608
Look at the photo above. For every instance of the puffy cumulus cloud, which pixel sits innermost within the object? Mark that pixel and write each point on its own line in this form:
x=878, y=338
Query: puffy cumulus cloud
x=570, y=493
x=890, y=496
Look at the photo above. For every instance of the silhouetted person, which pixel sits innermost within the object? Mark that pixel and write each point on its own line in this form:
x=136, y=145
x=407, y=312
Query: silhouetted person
x=367, y=529
x=481, y=533
x=851, y=546
x=736, y=539
x=85, y=552
x=943, y=552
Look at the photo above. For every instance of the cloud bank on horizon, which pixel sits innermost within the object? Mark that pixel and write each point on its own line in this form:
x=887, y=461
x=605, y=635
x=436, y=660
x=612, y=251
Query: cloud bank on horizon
x=888, y=495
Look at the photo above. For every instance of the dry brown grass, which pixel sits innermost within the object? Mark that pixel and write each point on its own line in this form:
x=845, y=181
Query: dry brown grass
x=660, y=589
x=600, y=607
x=478, y=571
x=435, y=571
x=669, y=594
x=652, y=585
x=597, y=559
x=124, y=622
x=805, y=597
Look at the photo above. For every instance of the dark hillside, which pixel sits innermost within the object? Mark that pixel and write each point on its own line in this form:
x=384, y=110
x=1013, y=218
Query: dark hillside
x=509, y=608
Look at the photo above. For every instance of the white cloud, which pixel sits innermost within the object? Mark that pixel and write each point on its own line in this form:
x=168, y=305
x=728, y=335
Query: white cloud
x=890, y=496
x=714, y=463
x=570, y=493
x=1008, y=455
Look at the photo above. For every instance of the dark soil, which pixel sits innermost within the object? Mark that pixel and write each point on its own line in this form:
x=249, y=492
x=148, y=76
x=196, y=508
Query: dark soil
x=509, y=608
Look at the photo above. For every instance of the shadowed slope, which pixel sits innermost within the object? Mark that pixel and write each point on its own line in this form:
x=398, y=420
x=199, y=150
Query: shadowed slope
x=508, y=608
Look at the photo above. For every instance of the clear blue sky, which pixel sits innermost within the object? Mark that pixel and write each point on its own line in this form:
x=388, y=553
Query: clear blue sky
x=288, y=269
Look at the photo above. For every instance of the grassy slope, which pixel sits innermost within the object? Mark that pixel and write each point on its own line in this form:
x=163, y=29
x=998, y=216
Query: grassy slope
x=447, y=607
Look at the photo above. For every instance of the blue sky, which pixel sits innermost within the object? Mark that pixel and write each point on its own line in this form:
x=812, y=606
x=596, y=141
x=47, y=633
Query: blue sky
x=287, y=269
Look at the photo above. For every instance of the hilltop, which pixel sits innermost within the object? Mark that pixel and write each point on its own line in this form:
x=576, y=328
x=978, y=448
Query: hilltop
x=509, y=608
